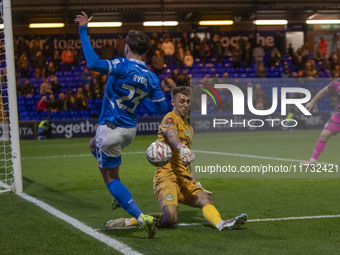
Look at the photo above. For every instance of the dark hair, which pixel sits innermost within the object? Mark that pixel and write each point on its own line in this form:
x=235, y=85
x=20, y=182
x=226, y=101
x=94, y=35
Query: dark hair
x=180, y=90
x=138, y=42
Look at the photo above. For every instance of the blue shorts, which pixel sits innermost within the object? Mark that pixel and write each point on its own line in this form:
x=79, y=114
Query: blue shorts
x=110, y=141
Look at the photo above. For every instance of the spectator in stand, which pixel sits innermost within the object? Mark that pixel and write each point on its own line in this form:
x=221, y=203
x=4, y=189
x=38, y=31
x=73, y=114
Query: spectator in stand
x=299, y=64
x=55, y=85
x=258, y=54
x=205, y=50
x=102, y=82
x=174, y=75
x=325, y=64
x=334, y=60
x=290, y=51
x=23, y=65
x=67, y=57
x=107, y=50
x=52, y=105
x=196, y=45
x=310, y=69
x=318, y=55
x=156, y=38
x=168, y=50
x=56, y=59
x=183, y=79
x=47, y=51
x=185, y=42
x=75, y=58
x=85, y=77
x=152, y=49
x=158, y=62
x=71, y=101
x=62, y=104
x=274, y=58
x=336, y=44
x=120, y=44
x=34, y=48
x=252, y=40
x=261, y=71
x=22, y=46
x=27, y=88
x=188, y=60
x=42, y=104
x=88, y=91
x=247, y=55
x=236, y=56
x=39, y=65
x=322, y=45
x=81, y=100
x=336, y=72
x=168, y=84
x=96, y=89
x=279, y=41
x=50, y=69
x=179, y=52
x=217, y=48
x=18, y=87
x=45, y=88
x=286, y=71
x=242, y=43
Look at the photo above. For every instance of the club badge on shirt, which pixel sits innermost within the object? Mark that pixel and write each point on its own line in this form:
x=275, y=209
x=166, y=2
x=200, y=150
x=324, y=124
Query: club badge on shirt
x=170, y=121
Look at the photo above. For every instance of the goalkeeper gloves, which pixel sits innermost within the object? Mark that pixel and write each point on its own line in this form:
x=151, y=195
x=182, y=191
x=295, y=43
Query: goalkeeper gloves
x=185, y=153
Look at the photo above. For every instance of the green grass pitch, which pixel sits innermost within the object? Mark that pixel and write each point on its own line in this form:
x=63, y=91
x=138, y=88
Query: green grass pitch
x=64, y=174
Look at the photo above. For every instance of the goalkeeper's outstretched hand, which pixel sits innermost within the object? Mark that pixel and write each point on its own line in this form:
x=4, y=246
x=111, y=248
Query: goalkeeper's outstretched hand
x=82, y=19
x=185, y=154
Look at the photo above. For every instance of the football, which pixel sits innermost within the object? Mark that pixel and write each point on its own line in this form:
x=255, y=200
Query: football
x=159, y=154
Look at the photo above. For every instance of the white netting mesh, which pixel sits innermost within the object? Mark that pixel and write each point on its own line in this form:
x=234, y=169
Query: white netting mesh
x=6, y=164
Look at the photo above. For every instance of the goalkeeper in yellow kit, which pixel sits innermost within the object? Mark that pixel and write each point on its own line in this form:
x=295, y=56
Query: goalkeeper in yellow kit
x=174, y=182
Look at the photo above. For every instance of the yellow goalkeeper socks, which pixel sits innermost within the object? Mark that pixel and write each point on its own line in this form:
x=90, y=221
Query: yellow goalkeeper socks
x=211, y=214
x=134, y=222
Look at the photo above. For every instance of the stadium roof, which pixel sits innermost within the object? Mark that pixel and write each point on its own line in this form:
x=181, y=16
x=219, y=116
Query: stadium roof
x=27, y=11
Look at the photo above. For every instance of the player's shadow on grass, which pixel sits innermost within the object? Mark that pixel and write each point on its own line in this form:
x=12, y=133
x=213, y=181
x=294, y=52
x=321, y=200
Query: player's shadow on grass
x=48, y=194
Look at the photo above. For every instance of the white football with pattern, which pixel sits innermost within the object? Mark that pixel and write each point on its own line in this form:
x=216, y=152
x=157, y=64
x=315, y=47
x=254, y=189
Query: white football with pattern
x=159, y=154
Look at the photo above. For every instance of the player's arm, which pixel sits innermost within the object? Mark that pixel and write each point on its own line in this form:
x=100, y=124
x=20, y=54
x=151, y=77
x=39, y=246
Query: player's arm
x=317, y=97
x=174, y=140
x=156, y=102
x=156, y=106
x=93, y=61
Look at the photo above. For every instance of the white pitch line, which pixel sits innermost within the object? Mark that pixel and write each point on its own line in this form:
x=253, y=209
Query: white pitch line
x=255, y=156
x=253, y=220
x=115, y=244
x=76, y=155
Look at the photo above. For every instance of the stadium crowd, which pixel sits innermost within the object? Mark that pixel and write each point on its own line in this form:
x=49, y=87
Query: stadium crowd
x=60, y=85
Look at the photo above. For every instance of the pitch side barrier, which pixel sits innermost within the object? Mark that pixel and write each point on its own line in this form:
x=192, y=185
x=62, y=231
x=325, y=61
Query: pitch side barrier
x=201, y=124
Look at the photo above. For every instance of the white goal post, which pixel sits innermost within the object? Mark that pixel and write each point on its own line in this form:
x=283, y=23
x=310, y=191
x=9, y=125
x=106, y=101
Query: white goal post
x=10, y=159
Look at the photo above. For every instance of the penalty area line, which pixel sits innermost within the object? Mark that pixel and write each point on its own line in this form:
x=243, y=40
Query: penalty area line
x=115, y=244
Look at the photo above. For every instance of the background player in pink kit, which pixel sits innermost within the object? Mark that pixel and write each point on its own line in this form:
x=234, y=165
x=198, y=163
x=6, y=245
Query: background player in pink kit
x=333, y=125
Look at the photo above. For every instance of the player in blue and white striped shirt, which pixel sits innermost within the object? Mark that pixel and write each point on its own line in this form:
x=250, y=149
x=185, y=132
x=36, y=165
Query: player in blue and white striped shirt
x=129, y=83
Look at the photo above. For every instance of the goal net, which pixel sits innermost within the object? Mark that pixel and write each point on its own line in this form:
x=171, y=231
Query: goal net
x=10, y=166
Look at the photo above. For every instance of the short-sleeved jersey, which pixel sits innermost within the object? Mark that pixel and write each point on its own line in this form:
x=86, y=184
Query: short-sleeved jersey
x=335, y=86
x=185, y=134
x=129, y=82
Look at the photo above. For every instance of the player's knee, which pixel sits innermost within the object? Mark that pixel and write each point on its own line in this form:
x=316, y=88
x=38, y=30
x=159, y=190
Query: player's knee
x=201, y=199
x=170, y=217
x=325, y=135
x=169, y=220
